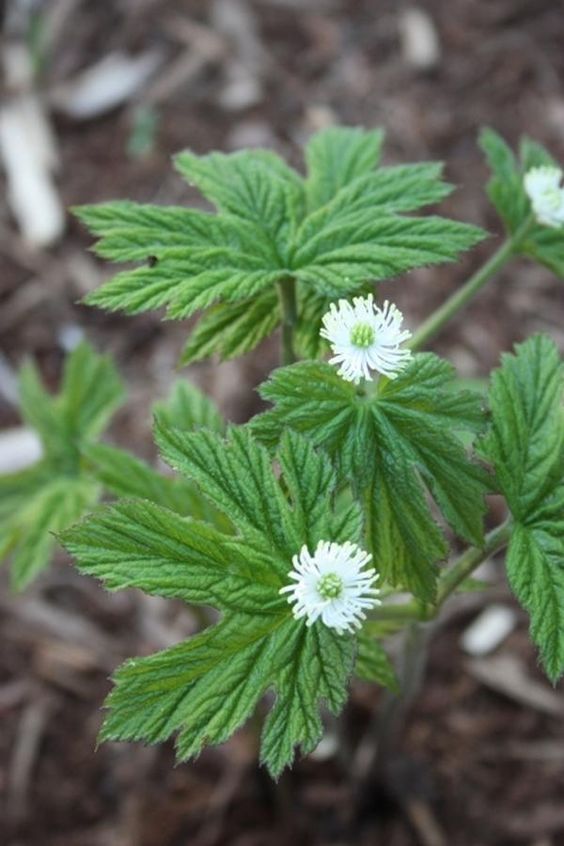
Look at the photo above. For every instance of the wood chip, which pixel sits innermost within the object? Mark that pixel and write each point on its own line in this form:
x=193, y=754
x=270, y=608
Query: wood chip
x=28, y=161
x=104, y=86
x=507, y=674
x=420, y=44
x=488, y=630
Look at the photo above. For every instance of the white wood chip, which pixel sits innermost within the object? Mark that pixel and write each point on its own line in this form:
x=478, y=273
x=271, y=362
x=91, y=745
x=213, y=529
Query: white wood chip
x=420, y=45
x=28, y=155
x=109, y=83
x=488, y=630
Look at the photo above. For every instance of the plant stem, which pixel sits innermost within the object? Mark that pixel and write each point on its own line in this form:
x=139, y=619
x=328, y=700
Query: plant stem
x=463, y=567
x=287, y=292
x=469, y=560
x=468, y=291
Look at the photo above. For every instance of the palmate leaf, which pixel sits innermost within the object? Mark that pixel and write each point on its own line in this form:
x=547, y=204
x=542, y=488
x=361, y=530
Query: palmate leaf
x=507, y=193
x=525, y=444
x=203, y=689
x=56, y=491
x=340, y=228
x=391, y=444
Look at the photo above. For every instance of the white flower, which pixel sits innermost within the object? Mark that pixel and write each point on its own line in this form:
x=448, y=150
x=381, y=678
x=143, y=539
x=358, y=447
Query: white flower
x=365, y=337
x=542, y=185
x=331, y=584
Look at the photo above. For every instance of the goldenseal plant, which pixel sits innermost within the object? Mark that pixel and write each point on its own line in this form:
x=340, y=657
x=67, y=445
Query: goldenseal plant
x=328, y=520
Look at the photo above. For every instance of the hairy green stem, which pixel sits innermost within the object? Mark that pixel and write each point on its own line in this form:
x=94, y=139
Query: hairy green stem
x=463, y=567
x=468, y=291
x=287, y=292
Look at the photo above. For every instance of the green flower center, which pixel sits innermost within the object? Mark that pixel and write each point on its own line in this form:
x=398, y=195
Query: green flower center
x=362, y=335
x=330, y=586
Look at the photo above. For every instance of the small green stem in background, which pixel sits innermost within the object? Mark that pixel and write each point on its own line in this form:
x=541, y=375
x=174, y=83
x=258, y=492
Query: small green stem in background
x=468, y=291
x=287, y=292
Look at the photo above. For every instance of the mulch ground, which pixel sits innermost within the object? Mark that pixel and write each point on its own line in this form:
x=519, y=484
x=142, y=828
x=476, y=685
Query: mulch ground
x=466, y=765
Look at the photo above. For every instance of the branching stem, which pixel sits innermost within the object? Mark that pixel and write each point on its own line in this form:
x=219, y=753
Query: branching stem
x=463, y=567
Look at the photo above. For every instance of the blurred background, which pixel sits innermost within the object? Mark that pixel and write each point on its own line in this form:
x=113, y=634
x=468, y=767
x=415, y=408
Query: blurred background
x=95, y=97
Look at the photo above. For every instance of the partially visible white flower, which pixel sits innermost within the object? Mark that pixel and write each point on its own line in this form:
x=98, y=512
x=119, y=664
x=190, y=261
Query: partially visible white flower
x=331, y=584
x=543, y=188
x=365, y=337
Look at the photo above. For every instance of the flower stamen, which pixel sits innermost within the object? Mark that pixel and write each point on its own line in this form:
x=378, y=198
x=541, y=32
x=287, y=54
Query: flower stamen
x=363, y=335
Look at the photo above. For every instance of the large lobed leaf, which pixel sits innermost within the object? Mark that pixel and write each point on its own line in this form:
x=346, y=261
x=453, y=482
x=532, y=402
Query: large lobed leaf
x=525, y=444
x=341, y=227
x=392, y=444
x=204, y=689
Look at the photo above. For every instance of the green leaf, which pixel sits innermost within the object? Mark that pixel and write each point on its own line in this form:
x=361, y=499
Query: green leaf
x=57, y=490
x=354, y=248
x=386, y=191
x=254, y=185
x=233, y=329
x=525, y=438
x=134, y=232
x=140, y=544
x=505, y=188
x=90, y=393
x=29, y=531
x=187, y=283
x=536, y=575
x=373, y=664
x=333, y=234
x=122, y=474
x=335, y=157
x=205, y=688
x=187, y=407
x=391, y=443
x=525, y=444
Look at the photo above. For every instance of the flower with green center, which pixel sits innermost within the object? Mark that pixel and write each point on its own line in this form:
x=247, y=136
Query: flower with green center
x=543, y=188
x=332, y=585
x=364, y=337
